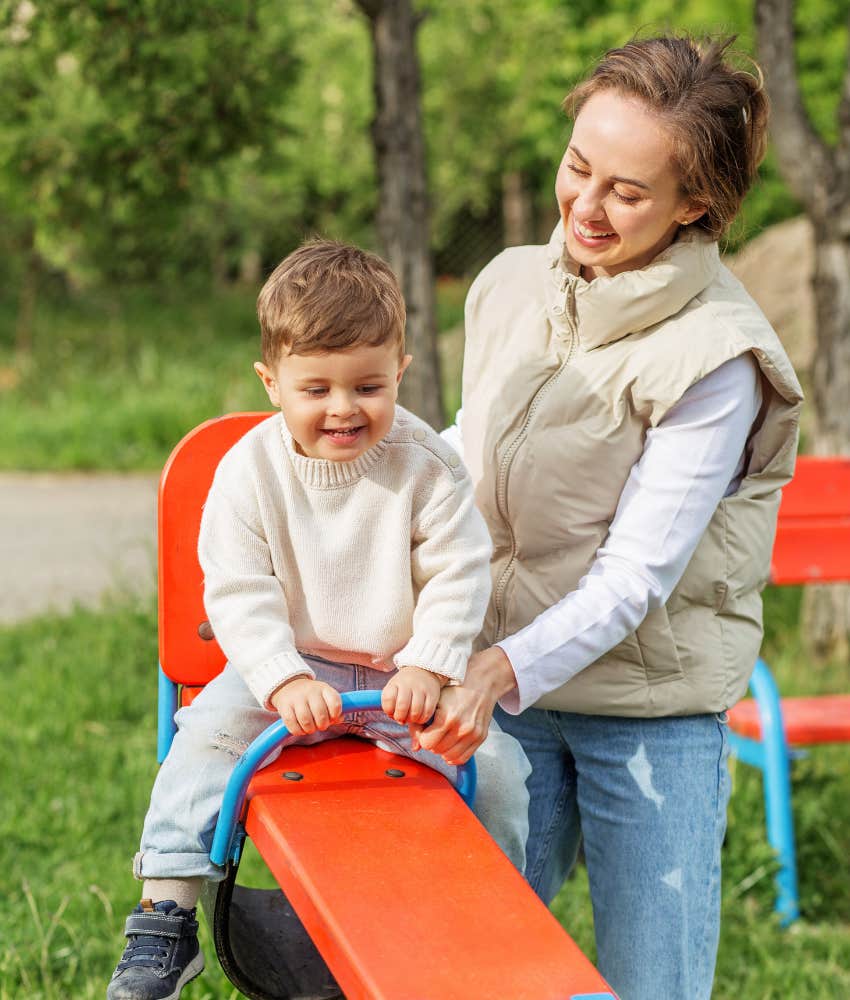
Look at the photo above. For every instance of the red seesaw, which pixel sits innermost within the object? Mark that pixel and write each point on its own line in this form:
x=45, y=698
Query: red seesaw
x=390, y=888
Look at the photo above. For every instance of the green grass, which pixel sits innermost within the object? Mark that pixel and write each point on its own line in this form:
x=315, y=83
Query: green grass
x=114, y=383
x=78, y=746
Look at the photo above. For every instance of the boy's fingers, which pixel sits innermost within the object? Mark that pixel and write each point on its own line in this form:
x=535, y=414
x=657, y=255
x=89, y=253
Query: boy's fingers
x=319, y=710
x=401, y=711
x=388, y=698
x=431, y=699
x=334, y=703
x=417, y=706
x=305, y=718
x=290, y=720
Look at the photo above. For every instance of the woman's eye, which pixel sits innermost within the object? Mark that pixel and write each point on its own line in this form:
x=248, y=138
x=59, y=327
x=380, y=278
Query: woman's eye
x=577, y=170
x=628, y=199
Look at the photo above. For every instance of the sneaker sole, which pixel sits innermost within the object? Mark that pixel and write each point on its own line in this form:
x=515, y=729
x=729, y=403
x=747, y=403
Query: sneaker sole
x=194, y=968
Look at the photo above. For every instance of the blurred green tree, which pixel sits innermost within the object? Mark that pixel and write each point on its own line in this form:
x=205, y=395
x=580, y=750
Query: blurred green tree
x=141, y=140
x=116, y=113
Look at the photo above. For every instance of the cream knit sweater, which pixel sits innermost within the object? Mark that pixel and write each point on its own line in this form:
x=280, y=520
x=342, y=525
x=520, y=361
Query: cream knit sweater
x=383, y=561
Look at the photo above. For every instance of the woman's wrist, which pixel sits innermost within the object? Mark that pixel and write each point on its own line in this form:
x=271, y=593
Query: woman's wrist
x=491, y=671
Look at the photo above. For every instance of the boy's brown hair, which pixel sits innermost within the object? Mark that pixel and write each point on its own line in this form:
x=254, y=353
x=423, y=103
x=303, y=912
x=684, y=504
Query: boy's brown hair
x=328, y=296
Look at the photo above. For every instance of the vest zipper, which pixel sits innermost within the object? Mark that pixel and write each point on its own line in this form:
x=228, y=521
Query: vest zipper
x=507, y=460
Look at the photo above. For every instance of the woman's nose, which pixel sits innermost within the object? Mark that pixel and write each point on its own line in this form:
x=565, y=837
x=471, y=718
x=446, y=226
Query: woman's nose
x=588, y=203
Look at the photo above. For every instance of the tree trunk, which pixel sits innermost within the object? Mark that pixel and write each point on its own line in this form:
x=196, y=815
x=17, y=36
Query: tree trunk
x=819, y=176
x=826, y=608
x=516, y=210
x=28, y=295
x=831, y=368
x=403, y=209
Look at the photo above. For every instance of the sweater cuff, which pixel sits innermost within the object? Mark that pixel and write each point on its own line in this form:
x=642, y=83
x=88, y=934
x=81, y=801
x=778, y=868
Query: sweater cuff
x=438, y=657
x=265, y=678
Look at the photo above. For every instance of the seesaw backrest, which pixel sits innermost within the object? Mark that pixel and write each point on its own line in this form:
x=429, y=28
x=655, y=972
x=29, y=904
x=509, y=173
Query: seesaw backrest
x=813, y=532
x=184, y=655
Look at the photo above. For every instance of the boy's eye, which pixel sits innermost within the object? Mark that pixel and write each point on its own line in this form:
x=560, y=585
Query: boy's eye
x=367, y=390
x=316, y=391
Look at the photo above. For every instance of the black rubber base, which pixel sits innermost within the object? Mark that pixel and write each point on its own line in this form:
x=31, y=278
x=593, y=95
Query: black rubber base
x=262, y=945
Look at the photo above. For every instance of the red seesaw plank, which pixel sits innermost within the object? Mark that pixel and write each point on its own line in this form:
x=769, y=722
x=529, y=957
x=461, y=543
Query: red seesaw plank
x=403, y=891
x=824, y=719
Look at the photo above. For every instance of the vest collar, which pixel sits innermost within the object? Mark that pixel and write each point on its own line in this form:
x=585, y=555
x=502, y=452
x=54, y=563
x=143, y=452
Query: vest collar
x=607, y=309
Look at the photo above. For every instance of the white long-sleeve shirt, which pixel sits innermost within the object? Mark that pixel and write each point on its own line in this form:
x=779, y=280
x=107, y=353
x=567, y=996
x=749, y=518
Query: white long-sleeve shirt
x=691, y=460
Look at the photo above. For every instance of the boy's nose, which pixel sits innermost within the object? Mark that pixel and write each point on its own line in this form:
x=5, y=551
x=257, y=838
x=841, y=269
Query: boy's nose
x=343, y=404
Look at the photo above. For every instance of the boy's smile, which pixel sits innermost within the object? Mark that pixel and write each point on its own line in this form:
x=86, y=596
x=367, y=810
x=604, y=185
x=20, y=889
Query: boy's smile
x=339, y=403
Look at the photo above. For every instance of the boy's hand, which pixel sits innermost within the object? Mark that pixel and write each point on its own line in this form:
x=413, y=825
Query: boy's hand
x=411, y=697
x=307, y=705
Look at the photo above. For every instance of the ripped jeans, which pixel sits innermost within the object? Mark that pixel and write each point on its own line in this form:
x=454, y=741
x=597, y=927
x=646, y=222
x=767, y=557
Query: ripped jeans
x=648, y=797
x=225, y=717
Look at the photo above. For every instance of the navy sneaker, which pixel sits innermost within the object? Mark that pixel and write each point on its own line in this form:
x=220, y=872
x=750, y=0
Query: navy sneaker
x=161, y=956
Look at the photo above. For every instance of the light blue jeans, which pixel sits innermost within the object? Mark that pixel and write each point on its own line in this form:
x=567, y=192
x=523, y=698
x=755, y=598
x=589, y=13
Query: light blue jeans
x=218, y=726
x=649, y=797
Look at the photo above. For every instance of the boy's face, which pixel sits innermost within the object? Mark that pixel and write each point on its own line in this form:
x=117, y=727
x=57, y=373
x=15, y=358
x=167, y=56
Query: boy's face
x=336, y=404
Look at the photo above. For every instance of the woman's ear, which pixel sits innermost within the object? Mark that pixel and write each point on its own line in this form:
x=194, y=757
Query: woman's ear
x=269, y=381
x=692, y=211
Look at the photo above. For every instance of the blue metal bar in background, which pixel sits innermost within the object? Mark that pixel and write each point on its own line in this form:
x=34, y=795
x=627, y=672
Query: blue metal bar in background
x=777, y=789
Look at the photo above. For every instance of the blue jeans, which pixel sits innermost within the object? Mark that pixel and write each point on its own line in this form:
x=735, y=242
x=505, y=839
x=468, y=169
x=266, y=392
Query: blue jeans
x=220, y=723
x=649, y=797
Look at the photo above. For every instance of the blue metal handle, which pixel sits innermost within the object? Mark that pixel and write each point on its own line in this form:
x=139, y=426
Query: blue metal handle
x=269, y=740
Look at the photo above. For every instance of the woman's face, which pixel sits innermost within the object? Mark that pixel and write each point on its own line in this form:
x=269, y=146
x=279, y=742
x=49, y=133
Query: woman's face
x=618, y=192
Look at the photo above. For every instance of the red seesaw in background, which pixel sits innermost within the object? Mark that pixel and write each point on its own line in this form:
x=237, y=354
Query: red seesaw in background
x=390, y=888
x=812, y=546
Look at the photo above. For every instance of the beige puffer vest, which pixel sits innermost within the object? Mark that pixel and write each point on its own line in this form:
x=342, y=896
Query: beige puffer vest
x=562, y=378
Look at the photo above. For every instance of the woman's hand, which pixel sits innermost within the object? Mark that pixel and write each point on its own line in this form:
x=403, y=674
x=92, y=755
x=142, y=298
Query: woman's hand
x=463, y=714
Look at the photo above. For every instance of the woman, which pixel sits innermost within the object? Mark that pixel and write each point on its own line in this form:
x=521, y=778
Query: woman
x=629, y=418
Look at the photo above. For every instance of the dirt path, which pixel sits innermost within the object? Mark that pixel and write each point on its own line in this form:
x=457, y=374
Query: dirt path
x=69, y=539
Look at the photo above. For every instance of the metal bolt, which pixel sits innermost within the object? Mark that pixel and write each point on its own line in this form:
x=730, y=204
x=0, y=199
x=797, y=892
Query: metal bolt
x=293, y=775
x=394, y=772
x=205, y=631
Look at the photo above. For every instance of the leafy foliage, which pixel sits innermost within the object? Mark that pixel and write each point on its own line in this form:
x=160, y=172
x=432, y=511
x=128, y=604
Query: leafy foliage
x=148, y=140
x=118, y=115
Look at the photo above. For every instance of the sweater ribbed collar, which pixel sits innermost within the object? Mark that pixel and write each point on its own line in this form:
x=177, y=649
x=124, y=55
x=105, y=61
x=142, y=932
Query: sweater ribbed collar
x=323, y=474
x=607, y=309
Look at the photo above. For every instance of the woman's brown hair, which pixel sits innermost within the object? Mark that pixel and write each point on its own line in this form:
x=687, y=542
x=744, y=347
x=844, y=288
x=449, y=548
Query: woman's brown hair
x=714, y=112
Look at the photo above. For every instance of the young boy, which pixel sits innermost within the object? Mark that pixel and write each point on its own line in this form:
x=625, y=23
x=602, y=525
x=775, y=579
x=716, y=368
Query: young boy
x=341, y=550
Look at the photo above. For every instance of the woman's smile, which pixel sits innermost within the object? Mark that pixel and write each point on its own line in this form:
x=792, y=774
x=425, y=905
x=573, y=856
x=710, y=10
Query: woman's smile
x=619, y=194
x=588, y=236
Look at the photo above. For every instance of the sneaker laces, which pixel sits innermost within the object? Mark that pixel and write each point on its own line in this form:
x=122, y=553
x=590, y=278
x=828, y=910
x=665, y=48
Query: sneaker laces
x=147, y=951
